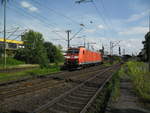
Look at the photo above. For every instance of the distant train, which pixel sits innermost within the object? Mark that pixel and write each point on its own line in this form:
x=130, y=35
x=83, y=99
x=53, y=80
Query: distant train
x=81, y=57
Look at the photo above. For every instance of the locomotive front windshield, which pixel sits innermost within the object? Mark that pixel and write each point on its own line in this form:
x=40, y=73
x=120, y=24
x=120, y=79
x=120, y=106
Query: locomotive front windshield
x=73, y=51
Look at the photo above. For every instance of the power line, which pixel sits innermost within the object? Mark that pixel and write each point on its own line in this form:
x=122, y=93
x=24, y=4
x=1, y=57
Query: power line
x=76, y=33
x=105, y=14
x=105, y=11
x=39, y=18
x=13, y=32
x=100, y=14
x=20, y=34
x=58, y=13
x=34, y=15
x=59, y=35
x=54, y=26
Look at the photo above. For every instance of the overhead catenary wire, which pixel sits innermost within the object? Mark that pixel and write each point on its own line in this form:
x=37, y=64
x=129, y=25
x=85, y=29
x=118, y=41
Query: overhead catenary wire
x=105, y=11
x=37, y=2
x=58, y=13
x=34, y=15
x=100, y=15
x=107, y=16
x=40, y=19
x=76, y=33
x=47, y=22
x=13, y=32
x=65, y=17
x=47, y=26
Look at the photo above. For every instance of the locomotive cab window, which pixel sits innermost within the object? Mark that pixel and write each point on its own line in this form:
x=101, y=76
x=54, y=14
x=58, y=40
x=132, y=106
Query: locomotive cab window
x=73, y=51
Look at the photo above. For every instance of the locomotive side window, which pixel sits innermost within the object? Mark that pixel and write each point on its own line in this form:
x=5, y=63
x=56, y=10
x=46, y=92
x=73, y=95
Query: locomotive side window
x=83, y=51
x=73, y=51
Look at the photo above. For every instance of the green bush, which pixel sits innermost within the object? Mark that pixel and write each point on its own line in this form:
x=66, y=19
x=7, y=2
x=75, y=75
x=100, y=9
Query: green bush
x=140, y=77
x=10, y=61
x=29, y=73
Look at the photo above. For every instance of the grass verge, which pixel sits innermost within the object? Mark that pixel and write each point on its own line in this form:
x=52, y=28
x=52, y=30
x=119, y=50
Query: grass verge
x=138, y=72
x=4, y=77
x=115, y=86
x=11, y=62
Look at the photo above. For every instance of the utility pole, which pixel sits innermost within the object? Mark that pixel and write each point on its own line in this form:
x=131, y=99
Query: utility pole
x=103, y=49
x=68, y=37
x=5, y=34
x=119, y=51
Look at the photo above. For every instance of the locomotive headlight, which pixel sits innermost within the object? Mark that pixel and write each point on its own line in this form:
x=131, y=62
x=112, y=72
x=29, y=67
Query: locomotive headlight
x=76, y=56
x=67, y=56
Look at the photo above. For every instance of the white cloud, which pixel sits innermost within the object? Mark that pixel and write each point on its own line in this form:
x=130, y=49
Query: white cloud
x=33, y=9
x=134, y=31
x=132, y=45
x=90, y=30
x=136, y=17
x=25, y=4
x=100, y=27
x=28, y=6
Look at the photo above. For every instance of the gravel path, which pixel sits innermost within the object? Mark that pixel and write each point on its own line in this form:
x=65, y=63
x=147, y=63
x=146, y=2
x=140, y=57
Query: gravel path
x=128, y=102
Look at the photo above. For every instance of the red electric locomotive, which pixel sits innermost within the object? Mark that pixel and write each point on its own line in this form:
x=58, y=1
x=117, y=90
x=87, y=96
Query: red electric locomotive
x=81, y=57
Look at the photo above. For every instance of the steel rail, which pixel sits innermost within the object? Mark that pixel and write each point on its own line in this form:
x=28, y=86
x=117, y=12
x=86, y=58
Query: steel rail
x=55, y=100
x=8, y=94
x=52, y=75
x=96, y=94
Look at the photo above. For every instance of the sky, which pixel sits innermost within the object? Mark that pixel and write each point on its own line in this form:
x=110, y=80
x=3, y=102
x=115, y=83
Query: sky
x=123, y=22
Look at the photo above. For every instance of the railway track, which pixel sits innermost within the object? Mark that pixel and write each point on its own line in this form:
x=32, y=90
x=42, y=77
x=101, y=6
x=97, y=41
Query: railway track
x=79, y=98
x=55, y=75
x=47, y=82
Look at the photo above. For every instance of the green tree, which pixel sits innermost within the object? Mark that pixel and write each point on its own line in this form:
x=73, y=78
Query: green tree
x=54, y=53
x=34, y=50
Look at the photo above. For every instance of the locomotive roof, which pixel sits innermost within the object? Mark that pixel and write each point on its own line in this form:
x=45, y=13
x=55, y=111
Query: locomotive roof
x=76, y=47
x=82, y=47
